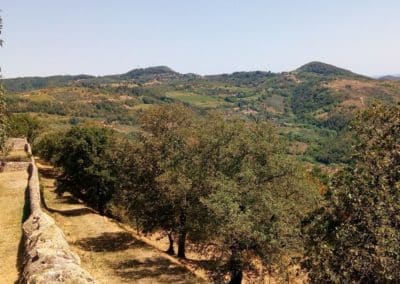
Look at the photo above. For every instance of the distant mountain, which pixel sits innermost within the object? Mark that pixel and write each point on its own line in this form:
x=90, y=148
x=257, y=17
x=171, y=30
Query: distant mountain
x=324, y=69
x=306, y=103
x=165, y=74
x=390, y=77
x=22, y=84
x=33, y=83
x=150, y=73
x=246, y=78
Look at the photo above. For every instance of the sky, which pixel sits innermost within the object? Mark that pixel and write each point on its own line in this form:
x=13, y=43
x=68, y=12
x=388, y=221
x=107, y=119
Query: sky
x=98, y=37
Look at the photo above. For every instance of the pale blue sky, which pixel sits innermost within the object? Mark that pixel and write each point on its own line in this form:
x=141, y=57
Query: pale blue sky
x=45, y=37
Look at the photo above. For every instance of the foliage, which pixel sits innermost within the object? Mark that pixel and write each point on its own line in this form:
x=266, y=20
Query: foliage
x=89, y=170
x=24, y=125
x=305, y=98
x=338, y=119
x=3, y=119
x=216, y=179
x=355, y=237
x=48, y=145
x=309, y=97
x=33, y=83
x=257, y=194
x=324, y=69
x=335, y=149
x=161, y=190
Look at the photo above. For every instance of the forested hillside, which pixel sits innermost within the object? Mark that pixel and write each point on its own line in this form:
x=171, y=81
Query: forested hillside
x=311, y=105
x=256, y=175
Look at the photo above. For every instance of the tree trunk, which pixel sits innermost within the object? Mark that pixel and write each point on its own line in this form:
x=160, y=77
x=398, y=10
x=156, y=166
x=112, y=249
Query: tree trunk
x=236, y=265
x=100, y=207
x=236, y=277
x=182, y=245
x=182, y=236
x=170, y=250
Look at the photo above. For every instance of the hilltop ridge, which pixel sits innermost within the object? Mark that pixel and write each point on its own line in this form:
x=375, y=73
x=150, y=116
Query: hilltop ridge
x=325, y=69
x=163, y=73
x=309, y=104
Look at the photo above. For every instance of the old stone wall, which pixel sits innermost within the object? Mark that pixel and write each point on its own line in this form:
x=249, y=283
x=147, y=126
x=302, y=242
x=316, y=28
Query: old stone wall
x=47, y=255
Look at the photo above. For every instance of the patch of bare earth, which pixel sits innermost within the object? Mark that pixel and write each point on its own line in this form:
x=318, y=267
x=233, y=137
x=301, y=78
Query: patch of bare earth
x=357, y=93
x=111, y=253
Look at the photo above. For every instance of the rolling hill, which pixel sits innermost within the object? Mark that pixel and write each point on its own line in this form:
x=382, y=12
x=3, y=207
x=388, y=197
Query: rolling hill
x=311, y=105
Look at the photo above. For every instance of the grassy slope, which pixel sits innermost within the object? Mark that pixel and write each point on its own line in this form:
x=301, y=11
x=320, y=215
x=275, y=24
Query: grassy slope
x=107, y=250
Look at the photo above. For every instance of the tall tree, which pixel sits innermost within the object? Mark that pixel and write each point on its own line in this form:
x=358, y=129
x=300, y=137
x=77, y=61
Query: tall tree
x=3, y=119
x=89, y=170
x=257, y=194
x=355, y=237
x=162, y=191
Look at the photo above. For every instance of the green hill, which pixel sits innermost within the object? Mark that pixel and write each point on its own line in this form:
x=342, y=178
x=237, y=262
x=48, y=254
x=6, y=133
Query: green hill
x=311, y=104
x=324, y=69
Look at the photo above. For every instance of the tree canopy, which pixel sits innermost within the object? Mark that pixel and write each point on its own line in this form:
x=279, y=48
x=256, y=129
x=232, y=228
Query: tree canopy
x=3, y=120
x=355, y=237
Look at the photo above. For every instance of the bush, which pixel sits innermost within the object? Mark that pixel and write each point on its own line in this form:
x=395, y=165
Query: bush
x=88, y=169
x=24, y=125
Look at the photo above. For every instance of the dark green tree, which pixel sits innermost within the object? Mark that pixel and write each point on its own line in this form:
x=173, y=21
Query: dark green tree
x=89, y=170
x=24, y=125
x=3, y=119
x=161, y=192
x=355, y=236
x=48, y=145
x=257, y=194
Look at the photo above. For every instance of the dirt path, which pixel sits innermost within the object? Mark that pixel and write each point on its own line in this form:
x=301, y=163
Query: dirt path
x=109, y=252
x=12, y=200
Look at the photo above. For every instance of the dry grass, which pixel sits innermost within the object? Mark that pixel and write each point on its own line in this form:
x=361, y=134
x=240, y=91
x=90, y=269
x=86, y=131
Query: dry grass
x=113, y=253
x=12, y=200
x=108, y=251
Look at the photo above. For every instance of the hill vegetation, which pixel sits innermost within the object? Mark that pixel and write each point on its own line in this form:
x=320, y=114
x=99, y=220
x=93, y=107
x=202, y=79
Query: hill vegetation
x=263, y=170
x=310, y=105
x=325, y=69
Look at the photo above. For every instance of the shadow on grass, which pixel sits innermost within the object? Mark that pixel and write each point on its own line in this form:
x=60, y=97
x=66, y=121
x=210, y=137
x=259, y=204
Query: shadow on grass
x=216, y=269
x=110, y=242
x=72, y=212
x=49, y=173
x=67, y=199
x=160, y=270
x=26, y=211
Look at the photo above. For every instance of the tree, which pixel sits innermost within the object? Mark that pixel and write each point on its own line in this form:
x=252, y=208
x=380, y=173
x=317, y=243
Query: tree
x=162, y=192
x=3, y=120
x=48, y=145
x=89, y=170
x=24, y=125
x=257, y=195
x=227, y=181
x=355, y=236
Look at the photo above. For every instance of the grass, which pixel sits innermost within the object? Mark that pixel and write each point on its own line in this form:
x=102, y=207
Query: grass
x=195, y=99
x=40, y=97
x=107, y=250
x=12, y=201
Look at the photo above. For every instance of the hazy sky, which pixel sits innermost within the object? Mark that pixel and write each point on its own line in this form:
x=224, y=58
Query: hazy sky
x=47, y=37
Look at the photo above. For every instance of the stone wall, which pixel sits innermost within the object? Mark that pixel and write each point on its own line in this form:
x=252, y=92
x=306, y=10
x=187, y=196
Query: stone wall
x=47, y=255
